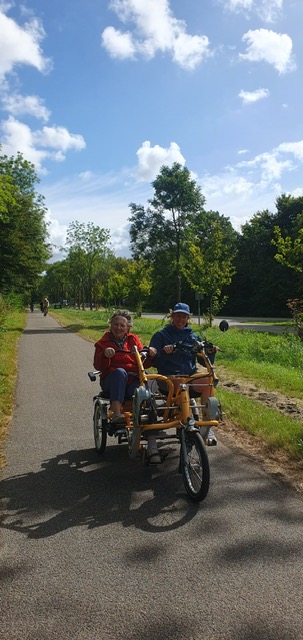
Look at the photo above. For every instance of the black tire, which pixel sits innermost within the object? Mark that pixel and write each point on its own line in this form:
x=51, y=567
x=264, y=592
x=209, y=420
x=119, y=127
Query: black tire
x=195, y=472
x=100, y=428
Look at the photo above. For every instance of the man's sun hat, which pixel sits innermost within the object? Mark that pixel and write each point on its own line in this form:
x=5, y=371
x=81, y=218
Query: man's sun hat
x=181, y=307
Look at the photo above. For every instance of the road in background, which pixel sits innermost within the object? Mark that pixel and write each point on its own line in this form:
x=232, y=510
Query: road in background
x=254, y=324
x=107, y=548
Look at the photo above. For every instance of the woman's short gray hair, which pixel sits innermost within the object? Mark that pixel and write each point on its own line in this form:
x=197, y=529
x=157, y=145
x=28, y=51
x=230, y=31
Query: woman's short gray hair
x=122, y=314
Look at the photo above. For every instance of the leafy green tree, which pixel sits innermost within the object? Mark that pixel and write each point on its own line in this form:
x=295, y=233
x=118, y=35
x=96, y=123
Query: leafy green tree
x=117, y=289
x=288, y=232
x=262, y=285
x=7, y=196
x=56, y=282
x=212, y=259
x=139, y=278
x=168, y=223
x=87, y=247
x=24, y=250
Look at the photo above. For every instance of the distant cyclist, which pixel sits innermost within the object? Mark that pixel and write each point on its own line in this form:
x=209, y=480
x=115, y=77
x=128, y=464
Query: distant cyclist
x=45, y=306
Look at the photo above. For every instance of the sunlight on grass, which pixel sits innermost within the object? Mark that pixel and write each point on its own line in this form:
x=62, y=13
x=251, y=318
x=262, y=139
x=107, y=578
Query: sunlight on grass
x=11, y=329
x=277, y=430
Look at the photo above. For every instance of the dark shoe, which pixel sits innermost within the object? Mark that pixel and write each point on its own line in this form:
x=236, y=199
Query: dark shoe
x=117, y=425
x=118, y=419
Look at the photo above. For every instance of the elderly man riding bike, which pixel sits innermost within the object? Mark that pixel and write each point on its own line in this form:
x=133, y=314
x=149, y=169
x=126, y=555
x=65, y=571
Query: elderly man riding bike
x=171, y=361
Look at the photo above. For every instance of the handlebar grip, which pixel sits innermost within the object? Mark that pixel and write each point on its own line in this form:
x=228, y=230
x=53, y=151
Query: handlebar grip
x=177, y=345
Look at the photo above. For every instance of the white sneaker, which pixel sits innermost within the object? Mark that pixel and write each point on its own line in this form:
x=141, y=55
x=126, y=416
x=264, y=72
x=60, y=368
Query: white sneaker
x=153, y=456
x=211, y=439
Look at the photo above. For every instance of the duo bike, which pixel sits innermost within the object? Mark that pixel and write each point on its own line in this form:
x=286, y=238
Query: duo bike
x=178, y=408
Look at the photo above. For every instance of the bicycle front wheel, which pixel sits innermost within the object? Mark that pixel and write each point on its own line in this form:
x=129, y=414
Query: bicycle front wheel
x=194, y=466
x=100, y=428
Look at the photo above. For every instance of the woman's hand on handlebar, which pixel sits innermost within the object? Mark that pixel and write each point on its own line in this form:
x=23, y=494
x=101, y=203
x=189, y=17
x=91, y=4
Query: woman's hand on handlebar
x=109, y=352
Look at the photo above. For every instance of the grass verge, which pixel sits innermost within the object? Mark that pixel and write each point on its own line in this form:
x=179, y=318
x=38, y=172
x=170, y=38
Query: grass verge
x=277, y=430
x=12, y=325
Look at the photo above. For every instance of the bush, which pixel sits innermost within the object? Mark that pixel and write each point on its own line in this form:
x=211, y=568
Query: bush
x=296, y=308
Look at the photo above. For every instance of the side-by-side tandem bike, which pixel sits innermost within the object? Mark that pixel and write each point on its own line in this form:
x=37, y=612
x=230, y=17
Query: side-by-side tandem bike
x=182, y=409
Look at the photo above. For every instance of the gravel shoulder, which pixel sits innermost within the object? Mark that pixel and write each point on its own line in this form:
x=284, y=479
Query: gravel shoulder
x=278, y=463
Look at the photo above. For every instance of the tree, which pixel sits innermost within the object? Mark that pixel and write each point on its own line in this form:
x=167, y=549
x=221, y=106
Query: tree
x=168, y=223
x=23, y=231
x=56, y=283
x=261, y=286
x=87, y=248
x=212, y=259
x=139, y=277
x=290, y=249
x=288, y=238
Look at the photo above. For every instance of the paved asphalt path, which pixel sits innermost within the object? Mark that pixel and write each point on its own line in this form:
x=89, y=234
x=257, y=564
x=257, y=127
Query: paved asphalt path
x=106, y=548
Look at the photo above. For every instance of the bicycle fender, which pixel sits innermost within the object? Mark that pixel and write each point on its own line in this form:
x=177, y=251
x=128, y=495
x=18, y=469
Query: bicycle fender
x=141, y=395
x=212, y=409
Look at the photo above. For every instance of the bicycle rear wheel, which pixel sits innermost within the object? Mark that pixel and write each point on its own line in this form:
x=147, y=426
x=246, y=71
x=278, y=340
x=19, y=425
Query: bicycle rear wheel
x=194, y=466
x=100, y=427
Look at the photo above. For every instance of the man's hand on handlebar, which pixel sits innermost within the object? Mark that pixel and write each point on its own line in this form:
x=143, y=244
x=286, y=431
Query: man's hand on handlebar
x=152, y=352
x=169, y=348
x=208, y=347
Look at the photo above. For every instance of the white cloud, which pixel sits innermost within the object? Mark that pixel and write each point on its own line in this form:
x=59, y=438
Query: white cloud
x=118, y=45
x=58, y=138
x=20, y=45
x=19, y=137
x=296, y=148
x=297, y=193
x=239, y=5
x=57, y=231
x=151, y=159
x=231, y=194
x=188, y=51
x=268, y=46
x=17, y=104
x=267, y=166
x=271, y=166
x=253, y=96
x=229, y=184
x=155, y=29
x=268, y=10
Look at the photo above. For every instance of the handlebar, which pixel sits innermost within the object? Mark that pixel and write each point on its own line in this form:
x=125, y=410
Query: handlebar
x=196, y=347
x=143, y=352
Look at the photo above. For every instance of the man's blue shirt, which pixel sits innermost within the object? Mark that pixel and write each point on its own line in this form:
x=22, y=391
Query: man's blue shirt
x=180, y=361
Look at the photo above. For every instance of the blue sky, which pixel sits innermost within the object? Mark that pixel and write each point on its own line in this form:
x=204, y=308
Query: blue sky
x=99, y=94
